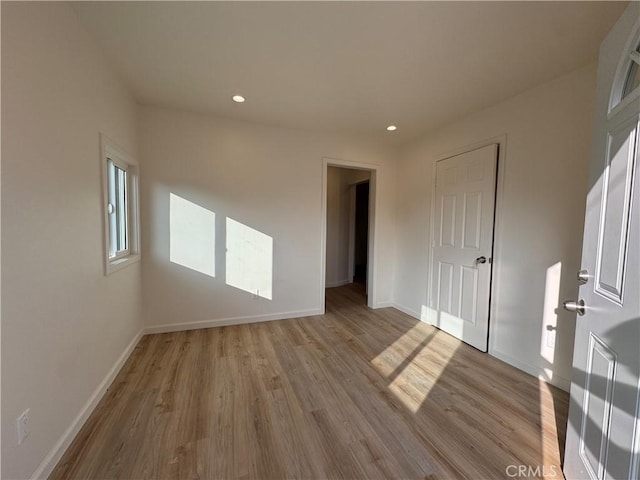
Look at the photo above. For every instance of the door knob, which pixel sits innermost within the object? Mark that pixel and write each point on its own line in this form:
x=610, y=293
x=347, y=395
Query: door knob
x=577, y=307
x=482, y=259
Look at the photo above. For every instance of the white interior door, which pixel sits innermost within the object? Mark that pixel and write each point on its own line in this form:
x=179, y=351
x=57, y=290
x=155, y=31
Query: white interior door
x=463, y=244
x=603, y=434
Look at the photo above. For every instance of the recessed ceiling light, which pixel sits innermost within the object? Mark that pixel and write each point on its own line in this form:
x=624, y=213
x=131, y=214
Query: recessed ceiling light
x=391, y=128
x=238, y=98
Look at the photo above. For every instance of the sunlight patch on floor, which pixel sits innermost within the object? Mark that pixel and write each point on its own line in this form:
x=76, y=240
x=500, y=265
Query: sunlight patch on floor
x=390, y=359
x=548, y=434
x=410, y=384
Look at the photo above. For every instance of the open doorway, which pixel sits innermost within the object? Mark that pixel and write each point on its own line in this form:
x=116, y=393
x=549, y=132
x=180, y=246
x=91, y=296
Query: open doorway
x=349, y=214
x=359, y=243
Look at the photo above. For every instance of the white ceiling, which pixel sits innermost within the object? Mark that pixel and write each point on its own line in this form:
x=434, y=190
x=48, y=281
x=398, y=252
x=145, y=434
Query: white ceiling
x=347, y=66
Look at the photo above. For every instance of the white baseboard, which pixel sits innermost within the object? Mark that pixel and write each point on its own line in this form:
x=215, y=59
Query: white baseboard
x=557, y=381
x=385, y=304
x=406, y=310
x=537, y=372
x=53, y=457
x=55, y=454
x=222, y=322
x=339, y=283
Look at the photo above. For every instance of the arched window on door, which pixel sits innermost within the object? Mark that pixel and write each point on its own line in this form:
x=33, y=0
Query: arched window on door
x=626, y=86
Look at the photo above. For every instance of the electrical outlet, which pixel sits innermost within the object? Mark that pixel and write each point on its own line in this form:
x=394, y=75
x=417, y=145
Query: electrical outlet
x=22, y=424
x=551, y=338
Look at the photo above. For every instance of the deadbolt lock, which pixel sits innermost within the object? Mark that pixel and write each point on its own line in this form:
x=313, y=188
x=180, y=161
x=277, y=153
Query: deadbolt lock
x=583, y=277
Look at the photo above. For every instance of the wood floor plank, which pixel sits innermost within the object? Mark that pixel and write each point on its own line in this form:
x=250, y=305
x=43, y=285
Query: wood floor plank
x=355, y=394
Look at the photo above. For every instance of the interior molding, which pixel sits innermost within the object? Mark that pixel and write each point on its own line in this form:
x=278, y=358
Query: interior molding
x=501, y=141
x=224, y=322
x=635, y=449
x=55, y=454
x=556, y=381
x=338, y=283
x=408, y=311
x=372, y=297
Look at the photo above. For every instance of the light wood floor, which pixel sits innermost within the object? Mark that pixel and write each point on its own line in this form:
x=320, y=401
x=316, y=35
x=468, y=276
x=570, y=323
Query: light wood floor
x=355, y=394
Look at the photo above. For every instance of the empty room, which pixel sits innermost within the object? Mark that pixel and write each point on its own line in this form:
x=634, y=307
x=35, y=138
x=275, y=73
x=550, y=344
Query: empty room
x=320, y=240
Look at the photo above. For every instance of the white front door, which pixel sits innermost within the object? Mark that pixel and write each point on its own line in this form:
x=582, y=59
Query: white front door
x=463, y=244
x=603, y=434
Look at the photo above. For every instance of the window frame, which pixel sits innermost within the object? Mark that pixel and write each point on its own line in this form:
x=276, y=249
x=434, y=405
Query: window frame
x=123, y=161
x=114, y=219
x=617, y=99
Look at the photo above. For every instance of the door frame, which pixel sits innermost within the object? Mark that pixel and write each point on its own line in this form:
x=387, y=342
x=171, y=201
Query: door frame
x=372, y=296
x=496, y=256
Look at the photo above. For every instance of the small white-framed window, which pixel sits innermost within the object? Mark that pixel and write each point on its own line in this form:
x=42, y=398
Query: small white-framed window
x=626, y=84
x=632, y=82
x=120, y=207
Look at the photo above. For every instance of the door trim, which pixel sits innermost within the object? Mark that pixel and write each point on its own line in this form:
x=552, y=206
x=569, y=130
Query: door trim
x=372, y=293
x=634, y=468
x=501, y=141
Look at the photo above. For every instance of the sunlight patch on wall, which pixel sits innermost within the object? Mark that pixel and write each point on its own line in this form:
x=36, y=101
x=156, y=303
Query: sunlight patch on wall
x=550, y=318
x=192, y=236
x=249, y=259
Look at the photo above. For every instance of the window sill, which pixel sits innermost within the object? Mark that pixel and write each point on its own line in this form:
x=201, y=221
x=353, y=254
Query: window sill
x=112, y=266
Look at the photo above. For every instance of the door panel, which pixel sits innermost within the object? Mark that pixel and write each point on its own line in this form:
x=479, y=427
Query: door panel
x=616, y=211
x=603, y=434
x=448, y=222
x=471, y=223
x=445, y=282
x=601, y=367
x=468, y=294
x=465, y=197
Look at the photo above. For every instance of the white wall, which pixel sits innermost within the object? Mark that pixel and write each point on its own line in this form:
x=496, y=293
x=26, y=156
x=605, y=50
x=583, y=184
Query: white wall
x=267, y=178
x=339, y=182
x=539, y=222
x=64, y=324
